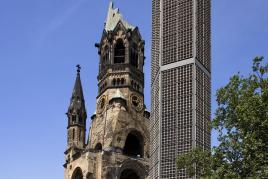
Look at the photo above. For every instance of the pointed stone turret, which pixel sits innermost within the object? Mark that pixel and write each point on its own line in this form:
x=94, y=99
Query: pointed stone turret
x=77, y=115
x=77, y=104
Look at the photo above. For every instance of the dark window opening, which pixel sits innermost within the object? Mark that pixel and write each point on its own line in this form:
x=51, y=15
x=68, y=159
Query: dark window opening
x=77, y=174
x=114, y=81
x=106, y=55
x=90, y=176
x=135, y=85
x=122, y=81
x=117, y=81
x=135, y=101
x=80, y=120
x=98, y=147
x=102, y=103
x=129, y=174
x=73, y=118
x=119, y=52
x=134, y=145
x=134, y=56
x=73, y=134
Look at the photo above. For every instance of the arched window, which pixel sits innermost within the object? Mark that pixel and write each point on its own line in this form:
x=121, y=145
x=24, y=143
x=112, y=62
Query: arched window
x=117, y=81
x=119, y=52
x=98, y=147
x=122, y=81
x=77, y=174
x=134, y=56
x=129, y=174
x=134, y=144
x=106, y=55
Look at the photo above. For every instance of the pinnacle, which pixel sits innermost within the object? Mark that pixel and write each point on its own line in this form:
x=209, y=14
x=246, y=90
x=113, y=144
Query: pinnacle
x=77, y=100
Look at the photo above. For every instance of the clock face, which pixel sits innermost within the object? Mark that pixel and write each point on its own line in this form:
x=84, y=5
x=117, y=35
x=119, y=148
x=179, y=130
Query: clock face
x=136, y=102
x=101, y=104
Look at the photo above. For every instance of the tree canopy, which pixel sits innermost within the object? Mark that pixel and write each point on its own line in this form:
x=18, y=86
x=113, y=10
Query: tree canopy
x=241, y=120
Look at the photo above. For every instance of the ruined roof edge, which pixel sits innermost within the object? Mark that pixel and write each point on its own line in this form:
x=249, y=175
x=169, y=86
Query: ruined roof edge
x=113, y=17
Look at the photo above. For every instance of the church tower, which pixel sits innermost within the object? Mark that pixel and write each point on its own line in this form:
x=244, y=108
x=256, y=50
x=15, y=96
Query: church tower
x=118, y=142
x=77, y=116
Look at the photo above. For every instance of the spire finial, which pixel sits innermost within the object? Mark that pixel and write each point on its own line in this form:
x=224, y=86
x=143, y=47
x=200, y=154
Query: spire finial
x=78, y=68
x=111, y=3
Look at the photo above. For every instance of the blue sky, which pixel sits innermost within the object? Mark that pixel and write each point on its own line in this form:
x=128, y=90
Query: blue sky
x=42, y=41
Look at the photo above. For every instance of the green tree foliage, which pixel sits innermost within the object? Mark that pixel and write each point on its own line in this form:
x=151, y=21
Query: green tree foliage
x=197, y=157
x=241, y=120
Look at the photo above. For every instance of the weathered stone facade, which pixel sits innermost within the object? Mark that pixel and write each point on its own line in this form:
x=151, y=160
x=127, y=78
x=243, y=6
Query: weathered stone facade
x=118, y=142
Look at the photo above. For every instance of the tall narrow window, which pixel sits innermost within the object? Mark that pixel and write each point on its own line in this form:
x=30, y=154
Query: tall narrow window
x=79, y=135
x=118, y=82
x=119, y=52
x=106, y=55
x=80, y=120
x=134, y=56
x=122, y=81
x=73, y=134
x=73, y=119
x=114, y=82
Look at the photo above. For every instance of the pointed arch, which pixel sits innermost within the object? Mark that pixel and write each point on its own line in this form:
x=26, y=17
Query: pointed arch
x=98, y=147
x=134, y=144
x=77, y=174
x=132, y=169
